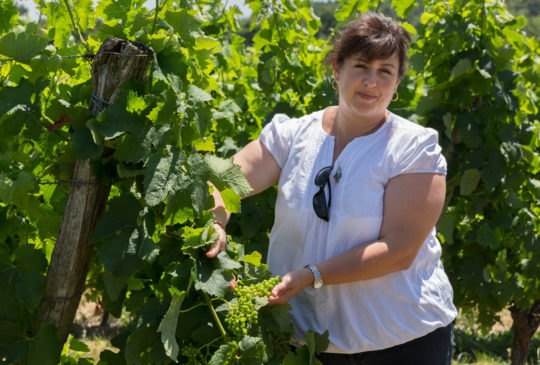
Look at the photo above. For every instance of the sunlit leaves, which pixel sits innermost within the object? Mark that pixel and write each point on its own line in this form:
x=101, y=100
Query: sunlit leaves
x=8, y=15
x=403, y=8
x=21, y=46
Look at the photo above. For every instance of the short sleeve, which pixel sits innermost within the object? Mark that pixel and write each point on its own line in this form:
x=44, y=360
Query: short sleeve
x=277, y=137
x=421, y=154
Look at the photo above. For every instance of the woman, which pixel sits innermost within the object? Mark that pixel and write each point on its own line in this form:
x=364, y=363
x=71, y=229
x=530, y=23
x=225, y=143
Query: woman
x=359, y=192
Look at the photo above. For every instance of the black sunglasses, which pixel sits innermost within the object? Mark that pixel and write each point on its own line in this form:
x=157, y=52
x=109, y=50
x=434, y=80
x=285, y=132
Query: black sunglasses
x=319, y=199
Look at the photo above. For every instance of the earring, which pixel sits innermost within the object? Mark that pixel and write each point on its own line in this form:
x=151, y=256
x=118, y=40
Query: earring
x=334, y=84
x=396, y=97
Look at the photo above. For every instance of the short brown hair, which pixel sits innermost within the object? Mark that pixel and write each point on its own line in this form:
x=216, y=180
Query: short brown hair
x=376, y=37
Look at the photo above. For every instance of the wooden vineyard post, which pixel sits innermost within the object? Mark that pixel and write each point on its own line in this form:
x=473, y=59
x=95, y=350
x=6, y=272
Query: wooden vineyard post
x=116, y=62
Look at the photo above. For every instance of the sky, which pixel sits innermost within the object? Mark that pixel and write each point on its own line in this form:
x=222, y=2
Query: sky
x=31, y=6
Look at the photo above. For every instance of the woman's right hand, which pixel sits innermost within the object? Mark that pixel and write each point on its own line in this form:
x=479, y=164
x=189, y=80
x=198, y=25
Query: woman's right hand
x=220, y=244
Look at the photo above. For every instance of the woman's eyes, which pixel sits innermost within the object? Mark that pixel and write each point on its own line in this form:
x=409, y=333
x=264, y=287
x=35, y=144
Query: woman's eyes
x=384, y=70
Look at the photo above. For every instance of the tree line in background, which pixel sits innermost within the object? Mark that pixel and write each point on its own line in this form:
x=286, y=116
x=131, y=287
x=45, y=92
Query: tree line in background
x=213, y=83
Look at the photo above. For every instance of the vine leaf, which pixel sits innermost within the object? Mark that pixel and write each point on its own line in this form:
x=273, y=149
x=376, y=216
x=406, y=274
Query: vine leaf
x=223, y=354
x=214, y=281
x=22, y=46
x=168, y=324
x=469, y=181
x=252, y=349
x=198, y=95
x=226, y=262
x=225, y=174
x=12, y=96
x=162, y=175
x=403, y=7
x=16, y=347
x=464, y=65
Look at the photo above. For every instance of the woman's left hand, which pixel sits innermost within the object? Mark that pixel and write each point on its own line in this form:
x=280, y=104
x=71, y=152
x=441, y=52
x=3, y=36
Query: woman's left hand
x=290, y=284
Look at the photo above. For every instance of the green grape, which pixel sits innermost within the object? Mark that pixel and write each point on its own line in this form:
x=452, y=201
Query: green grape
x=242, y=316
x=191, y=353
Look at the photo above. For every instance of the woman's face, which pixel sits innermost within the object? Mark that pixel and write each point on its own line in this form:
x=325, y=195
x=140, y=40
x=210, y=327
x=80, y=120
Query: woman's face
x=366, y=88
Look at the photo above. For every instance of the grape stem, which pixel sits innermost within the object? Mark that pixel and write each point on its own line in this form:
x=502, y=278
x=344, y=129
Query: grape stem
x=216, y=318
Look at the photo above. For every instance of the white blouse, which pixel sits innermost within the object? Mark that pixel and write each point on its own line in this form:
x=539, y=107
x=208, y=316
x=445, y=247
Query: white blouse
x=369, y=314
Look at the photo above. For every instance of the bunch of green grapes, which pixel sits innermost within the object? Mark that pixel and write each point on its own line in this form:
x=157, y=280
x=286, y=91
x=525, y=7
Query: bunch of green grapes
x=192, y=354
x=242, y=315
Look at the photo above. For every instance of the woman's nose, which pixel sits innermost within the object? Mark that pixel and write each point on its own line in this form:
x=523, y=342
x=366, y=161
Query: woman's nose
x=369, y=78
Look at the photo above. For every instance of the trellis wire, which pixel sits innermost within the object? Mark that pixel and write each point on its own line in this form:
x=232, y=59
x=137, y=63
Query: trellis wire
x=87, y=55
x=68, y=182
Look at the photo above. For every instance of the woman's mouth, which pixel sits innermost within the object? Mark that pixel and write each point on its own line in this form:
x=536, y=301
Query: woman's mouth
x=366, y=97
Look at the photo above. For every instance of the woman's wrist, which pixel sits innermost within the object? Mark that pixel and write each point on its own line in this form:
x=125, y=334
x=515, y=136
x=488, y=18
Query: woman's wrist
x=221, y=216
x=219, y=223
x=307, y=277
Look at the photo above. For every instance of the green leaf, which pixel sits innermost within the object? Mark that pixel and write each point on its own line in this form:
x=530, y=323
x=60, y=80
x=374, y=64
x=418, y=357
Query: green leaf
x=7, y=187
x=13, y=345
x=22, y=46
x=44, y=347
x=198, y=237
x=115, y=121
x=162, y=175
x=403, y=7
x=168, y=324
x=231, y=200
x=446, y=226
x=114, y=284
x=198, y=95
x=469, y=181
x=347, y=9
x=212, y=281
x=199, y=174
x=11, y=97
x=226, y=263
x=207, y=43
x=224, y=173
x=121, y=216
x=486, y=236
x=276, y=318
x=144, y=347
x=185, y=22
x=83, y=145
x=77, y=345
x=300, y=357
x=135, y=103
x=225, y=353
x=252, y=351
x=253, y=258
x=464, y=65
x=29, y=287
x=317, y=342
x=8, y=15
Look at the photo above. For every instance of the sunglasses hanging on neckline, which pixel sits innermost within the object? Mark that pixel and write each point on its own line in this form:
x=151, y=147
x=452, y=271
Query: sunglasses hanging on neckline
x=319, y=199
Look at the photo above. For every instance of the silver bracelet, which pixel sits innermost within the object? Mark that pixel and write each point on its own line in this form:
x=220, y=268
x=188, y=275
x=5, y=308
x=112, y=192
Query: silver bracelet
x=317, y=282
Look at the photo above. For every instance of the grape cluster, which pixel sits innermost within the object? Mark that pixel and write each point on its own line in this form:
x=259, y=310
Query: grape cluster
x=242, y=315
x=191, y=353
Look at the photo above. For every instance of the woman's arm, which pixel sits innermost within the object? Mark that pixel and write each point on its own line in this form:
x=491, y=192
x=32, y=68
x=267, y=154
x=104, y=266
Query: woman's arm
x=412, y=205
x=261, y=170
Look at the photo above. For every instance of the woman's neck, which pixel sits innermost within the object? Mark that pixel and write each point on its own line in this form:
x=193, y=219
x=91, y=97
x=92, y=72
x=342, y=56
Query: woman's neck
x=345, y=128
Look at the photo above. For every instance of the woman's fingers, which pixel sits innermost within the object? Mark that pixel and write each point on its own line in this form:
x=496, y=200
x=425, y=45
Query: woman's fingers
x=291, y=284
x=220, y=244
